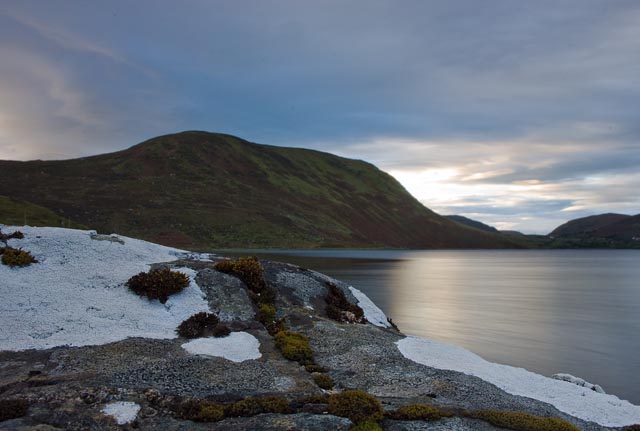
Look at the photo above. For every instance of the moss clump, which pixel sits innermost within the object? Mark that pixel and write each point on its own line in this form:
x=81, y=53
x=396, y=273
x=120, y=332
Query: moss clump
x=251, y=272
x=423, y=412
x=367, y=425
x=356, y=405
x=16, y=257
x=221, y=330
x=14, y=235
x=294, y=346
x=199, y=411
x=339, y=308
x=158, y=284
x=323, y=380
x=520, y=421
x=12, y=409
x=256, y=406
x=314, y=368
x=635, y=427
x=198, y=325
x=266, y=313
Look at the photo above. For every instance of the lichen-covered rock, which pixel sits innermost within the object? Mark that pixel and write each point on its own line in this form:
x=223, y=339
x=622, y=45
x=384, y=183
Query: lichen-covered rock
x=226, y=295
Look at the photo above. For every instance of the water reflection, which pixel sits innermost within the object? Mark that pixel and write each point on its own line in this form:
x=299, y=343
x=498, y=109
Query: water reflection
x=572, y=311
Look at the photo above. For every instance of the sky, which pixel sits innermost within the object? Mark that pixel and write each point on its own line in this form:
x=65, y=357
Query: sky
x=520, y=114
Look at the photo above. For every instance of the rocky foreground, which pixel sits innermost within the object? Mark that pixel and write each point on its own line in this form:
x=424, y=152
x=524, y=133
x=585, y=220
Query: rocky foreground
x=137, y=382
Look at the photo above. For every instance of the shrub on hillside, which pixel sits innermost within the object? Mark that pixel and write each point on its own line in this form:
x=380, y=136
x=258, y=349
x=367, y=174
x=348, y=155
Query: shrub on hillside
x=520, y=421
x=294, y=346
x=12, y=409
x=16, y=257
x=339, y=308
x=198, y=325
x=158, y=284
x=356, y=405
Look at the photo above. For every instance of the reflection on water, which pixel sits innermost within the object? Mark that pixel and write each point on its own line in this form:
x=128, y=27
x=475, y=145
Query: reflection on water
x=550, y=311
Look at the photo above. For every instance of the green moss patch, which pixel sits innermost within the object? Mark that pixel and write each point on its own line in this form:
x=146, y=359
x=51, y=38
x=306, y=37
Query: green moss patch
x=356, y=405
x=419, y=412
x=15, y=257
x=520, y=421
x=294, y=346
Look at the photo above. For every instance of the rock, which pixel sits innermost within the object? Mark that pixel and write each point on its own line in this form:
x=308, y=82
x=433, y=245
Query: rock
x=578, y=381
x=293, y=422
x=226, y=294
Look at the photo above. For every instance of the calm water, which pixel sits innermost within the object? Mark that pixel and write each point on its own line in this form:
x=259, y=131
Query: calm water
x=573, y=311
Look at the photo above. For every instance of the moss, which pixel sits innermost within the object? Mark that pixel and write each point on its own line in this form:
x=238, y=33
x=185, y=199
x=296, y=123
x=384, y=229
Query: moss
x=158, y=284
x=635, y=427
x=17, y=257
x=339, y=308
x=12, y=409
x=520, y=421
x=356, y=405
x=221, y=330
x=367, y=425
x=314, y=368
x=419, y=412
x=323, y=380
x=198, y=325
x=199, y=411
x=247, y=269
x=294, y=346
x=314, y=399
x=14, y=235
x=266, y=313
x=256, y=406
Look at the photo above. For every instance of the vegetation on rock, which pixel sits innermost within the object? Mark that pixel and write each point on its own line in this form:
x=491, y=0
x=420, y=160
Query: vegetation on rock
x=294, y=346
x=256, y=406
x=198, y=325
x=367, y=425
x=339, y=308
x=16, y=257
x=356, y=405
x=158, y=284
x=521, y=421
x=419, y=412
x=324, y=381
x=199, y=411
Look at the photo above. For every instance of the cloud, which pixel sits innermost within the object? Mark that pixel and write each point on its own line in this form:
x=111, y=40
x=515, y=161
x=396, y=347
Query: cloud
x=478, y=107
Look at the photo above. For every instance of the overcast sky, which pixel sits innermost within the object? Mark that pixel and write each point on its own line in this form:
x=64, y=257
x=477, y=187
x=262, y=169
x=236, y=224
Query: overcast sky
x=521, y=114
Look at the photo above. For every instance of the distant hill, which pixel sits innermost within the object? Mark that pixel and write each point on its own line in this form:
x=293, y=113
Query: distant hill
x=206, y=190
x=471, y=223
x=603, y=230
x=18, y=213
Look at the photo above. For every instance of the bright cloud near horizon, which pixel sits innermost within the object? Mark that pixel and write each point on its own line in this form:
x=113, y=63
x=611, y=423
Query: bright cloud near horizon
x=519, y=114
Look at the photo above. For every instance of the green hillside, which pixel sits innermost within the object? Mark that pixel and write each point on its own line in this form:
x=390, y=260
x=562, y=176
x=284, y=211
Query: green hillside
x=19, y=213
x=204, y=190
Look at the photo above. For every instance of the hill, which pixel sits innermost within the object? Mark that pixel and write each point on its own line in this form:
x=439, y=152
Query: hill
x=205, y=190
x=599, y=231
x=471, y=223
x=16, y=212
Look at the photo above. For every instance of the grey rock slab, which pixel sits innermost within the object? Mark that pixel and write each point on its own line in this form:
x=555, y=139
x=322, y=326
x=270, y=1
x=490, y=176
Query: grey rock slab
x=227, y=295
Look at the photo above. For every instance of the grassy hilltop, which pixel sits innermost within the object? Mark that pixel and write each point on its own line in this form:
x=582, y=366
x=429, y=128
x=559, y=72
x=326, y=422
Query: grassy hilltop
x=205, y=190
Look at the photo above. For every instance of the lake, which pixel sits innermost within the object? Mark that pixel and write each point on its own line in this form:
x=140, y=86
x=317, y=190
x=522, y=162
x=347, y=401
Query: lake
x=550, y=311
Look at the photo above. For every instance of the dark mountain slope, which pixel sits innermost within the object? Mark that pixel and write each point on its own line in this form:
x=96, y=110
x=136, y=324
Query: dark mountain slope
x=206, y=190
x=471, y=223
x=586, y=225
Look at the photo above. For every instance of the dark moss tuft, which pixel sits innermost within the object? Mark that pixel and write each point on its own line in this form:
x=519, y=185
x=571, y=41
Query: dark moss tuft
x=323, y=380
x=199, y=411
x=221, y=330
x=158, y=284
x=356, y=405
x=12, y=409
x=16, y=257
x=339, y=308
x=256, y=406
x=198, y=325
